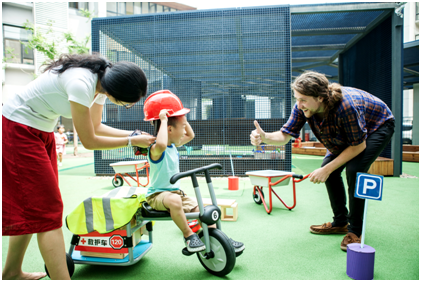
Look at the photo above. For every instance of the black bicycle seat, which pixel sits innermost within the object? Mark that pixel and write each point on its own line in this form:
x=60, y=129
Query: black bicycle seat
x=148, y=211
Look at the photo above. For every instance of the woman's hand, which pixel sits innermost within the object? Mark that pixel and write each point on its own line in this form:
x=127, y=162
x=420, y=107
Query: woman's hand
x=144, y=140
x=320, y=175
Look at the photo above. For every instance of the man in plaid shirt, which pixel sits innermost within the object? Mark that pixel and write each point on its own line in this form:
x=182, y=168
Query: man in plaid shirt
x=354, y=126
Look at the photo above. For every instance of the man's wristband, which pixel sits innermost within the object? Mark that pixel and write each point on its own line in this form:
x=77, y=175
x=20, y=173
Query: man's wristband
x=129, y=143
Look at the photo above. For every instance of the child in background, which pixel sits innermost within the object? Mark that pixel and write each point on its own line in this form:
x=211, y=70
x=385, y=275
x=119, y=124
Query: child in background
x=173, y=131
x=61, y=140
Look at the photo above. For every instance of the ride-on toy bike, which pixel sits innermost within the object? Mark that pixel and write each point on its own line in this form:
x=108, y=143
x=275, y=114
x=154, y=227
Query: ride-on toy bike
x=219, y=256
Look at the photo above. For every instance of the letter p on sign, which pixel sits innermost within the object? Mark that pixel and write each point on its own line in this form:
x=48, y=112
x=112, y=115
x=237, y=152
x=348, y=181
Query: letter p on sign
x=369, y=186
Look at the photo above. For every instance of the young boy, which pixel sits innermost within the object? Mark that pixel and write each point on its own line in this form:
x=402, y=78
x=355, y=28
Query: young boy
x=164, y=163
x=61, y=140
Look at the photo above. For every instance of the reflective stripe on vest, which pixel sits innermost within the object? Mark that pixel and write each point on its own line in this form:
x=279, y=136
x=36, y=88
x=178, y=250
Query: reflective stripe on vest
x=106, y=213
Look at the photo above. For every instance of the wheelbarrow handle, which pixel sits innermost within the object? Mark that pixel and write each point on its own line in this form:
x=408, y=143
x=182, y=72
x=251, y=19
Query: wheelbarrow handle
x=299, y=176
x=180, y=175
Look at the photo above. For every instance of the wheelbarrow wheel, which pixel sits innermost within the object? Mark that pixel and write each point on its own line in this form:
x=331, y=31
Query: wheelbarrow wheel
x=118, y=181
x=223, y=259
x=70, y=265
x=256, y=197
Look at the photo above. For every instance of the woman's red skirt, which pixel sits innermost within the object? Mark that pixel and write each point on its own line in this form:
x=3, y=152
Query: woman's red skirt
x=31, y=198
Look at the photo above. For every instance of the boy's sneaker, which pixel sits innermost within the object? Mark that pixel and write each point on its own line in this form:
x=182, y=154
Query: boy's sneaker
x=194, y=244
x=238, y=246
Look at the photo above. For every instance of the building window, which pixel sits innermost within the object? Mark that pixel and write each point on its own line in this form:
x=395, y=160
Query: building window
x=129, y=8
x=417, y=11
x=79, y=5
x=137, y=8
x=145, y=7
x=119, y=9
x=13, y=36
x=111, y=9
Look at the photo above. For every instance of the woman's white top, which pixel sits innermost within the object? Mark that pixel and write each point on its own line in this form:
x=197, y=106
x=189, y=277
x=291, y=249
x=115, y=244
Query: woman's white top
x=48, y=97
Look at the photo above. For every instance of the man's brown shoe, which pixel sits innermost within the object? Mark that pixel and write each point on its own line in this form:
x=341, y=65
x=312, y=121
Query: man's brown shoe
x=349, y=239
x=327, y=228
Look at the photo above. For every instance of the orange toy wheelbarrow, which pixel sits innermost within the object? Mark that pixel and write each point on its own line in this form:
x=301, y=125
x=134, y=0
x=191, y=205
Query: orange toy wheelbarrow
x=126, y=167
x=270, y=179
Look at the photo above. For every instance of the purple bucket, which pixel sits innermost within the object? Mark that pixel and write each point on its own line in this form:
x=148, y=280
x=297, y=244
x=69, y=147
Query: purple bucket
x=360, y=262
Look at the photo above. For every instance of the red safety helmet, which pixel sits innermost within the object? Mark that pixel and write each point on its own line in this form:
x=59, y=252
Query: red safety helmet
x=163, y=99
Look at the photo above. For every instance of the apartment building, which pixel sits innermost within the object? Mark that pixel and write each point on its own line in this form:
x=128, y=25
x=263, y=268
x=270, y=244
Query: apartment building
x=20, y=65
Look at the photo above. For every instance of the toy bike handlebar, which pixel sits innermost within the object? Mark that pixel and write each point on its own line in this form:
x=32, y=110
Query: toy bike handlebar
x=299, y=176
x=180, y=175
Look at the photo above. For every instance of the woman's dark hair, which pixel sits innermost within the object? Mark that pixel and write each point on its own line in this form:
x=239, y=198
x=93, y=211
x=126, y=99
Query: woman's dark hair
x=125, y=81
x=60, y=126
x=315, y=84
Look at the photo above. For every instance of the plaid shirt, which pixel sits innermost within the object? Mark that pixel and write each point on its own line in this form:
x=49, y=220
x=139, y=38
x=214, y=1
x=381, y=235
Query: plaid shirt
x=355, y=118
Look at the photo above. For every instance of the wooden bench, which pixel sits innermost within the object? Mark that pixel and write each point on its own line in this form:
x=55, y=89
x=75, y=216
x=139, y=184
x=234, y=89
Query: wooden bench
x=225, y=204
x=410, y=153
x=381, y=166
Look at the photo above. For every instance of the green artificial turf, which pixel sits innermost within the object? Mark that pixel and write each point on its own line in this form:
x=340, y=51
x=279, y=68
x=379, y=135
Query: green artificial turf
x=278, y=246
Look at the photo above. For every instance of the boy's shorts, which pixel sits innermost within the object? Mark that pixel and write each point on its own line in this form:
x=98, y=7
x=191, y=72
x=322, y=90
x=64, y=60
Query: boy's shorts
x=156, y=201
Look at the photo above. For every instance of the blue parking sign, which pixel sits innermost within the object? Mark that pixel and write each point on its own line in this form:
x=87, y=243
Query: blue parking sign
x=369, y=186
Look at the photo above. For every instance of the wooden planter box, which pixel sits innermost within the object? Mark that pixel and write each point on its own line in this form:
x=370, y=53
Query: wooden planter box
x=410, y=153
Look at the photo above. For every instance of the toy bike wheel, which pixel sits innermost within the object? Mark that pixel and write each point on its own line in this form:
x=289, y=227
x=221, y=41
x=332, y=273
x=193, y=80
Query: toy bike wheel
x=118, y=181
x=256, y=197
x=223, y=259
x=70, y=265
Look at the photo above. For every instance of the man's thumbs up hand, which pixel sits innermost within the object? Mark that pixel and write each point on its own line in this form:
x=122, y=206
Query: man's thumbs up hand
x=257, y=135
x=258, y=128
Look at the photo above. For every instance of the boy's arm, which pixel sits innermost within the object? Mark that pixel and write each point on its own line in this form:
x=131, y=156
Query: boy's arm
x=189, y=135
x=162, y=138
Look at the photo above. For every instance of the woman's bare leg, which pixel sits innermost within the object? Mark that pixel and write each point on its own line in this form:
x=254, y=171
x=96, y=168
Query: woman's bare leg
x=51, y=245
x=15, y=254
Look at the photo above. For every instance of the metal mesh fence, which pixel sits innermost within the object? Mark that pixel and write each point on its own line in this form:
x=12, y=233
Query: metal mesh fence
x=228, y=66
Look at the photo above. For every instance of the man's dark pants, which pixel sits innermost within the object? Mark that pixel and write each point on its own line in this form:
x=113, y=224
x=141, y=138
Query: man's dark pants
x=375, y=144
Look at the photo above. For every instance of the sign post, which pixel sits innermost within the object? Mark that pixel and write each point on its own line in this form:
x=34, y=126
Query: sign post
x=368, y=187
x=360, y=258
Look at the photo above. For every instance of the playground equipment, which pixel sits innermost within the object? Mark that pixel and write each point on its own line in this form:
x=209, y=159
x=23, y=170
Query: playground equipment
x=218, y=258
x=271, y=179
x=126, y=167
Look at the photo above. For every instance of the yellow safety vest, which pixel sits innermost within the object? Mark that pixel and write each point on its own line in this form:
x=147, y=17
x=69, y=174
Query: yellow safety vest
x=106, y=213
